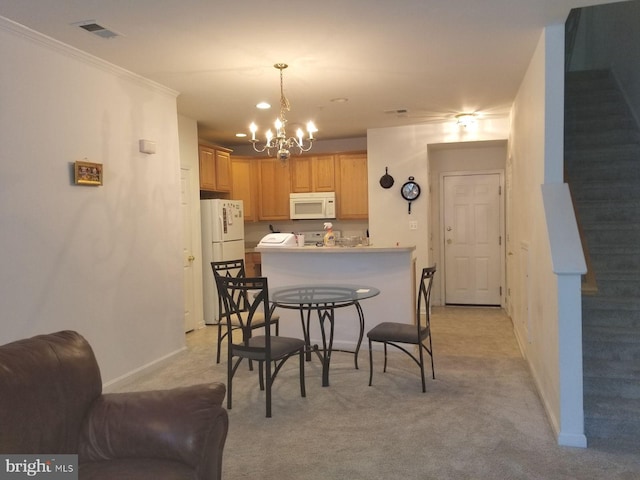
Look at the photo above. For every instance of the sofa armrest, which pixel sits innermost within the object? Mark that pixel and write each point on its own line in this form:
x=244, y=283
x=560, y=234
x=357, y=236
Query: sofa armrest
x=185, y=424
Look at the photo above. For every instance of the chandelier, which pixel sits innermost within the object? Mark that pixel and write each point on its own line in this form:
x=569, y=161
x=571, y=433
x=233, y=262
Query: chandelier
x=279, y=144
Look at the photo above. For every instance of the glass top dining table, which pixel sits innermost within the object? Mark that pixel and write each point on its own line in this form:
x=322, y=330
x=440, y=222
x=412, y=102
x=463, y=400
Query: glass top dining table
x=320, y=294
x=324, y=299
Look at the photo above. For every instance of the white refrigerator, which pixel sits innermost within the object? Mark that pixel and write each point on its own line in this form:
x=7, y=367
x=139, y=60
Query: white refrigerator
x=222, y=223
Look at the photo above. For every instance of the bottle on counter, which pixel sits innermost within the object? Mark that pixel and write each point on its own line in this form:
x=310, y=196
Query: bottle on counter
x=329, y=237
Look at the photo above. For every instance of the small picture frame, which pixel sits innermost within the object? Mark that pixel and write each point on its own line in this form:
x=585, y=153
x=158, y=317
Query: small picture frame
x=88, y=173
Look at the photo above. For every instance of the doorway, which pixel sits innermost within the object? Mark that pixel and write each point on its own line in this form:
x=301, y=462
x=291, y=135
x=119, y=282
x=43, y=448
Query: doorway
x=461, y=159
x=472, y=238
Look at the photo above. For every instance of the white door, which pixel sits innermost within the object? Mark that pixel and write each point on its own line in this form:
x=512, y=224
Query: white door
x=187, y=252
x=472, y=239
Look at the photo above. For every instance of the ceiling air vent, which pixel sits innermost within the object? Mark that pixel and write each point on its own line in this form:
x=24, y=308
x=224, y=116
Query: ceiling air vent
x=97, y=29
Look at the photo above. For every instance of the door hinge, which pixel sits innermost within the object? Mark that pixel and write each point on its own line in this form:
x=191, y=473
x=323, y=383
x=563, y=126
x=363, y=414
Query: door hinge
x=499, y=239
x=499, y=189
x=500, y=291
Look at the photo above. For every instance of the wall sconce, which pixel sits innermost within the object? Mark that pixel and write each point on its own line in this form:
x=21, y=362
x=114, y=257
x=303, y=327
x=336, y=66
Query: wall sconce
x=147, y=146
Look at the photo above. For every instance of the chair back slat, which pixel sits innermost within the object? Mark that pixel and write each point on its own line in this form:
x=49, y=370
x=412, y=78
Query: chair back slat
x=245, y=300
x=230, y=269
x=424, y=298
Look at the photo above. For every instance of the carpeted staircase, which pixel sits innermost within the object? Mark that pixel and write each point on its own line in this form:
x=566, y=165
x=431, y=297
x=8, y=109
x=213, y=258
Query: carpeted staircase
x=602, y=166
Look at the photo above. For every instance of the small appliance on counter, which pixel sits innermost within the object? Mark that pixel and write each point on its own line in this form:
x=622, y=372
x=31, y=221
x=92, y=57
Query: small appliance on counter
x=278, y=240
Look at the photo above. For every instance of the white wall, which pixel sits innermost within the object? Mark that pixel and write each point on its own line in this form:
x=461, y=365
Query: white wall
x=535, y=158
x=105, y=261
x=405, y=150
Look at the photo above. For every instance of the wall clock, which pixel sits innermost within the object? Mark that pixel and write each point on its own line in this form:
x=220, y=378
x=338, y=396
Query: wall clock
x=410, y=191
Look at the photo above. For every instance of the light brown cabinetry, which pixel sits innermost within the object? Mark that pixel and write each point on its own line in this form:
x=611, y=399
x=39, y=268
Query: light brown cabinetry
x=273, y=189
x=352, y=195
x=244, y=185
x=215, y=168
x=313, y=174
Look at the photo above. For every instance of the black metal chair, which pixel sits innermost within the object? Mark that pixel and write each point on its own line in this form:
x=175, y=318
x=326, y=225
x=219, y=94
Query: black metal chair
x=396, y=334
x=269, y=350
x=234, y=269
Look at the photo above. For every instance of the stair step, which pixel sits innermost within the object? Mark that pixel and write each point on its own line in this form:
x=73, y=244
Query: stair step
x=622, y=155
x=604, y=191
x=614, y=419
x=600, y=310
x=587, y=126
x=603, y=137
x=610, y=347
x=618, y=284
x=609, y=211
x=615, y=262
x=611, y=378
x=604, y=171
x=579, y=80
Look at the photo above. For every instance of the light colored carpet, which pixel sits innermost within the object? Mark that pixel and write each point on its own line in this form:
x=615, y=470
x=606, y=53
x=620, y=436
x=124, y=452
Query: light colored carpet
x=480, y=419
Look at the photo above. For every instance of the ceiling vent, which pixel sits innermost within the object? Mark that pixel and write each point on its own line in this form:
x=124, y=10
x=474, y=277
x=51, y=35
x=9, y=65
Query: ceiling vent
x=97, y=29
x=400, y=112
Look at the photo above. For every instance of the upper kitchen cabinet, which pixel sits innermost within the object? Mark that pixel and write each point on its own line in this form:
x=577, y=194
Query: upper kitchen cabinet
x=352, y=186
x=215, y=168
x=273, y=189
x=244, y=185
x=313, y=174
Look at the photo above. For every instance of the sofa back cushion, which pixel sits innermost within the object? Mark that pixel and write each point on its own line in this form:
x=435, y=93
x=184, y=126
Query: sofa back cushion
x=47, y=383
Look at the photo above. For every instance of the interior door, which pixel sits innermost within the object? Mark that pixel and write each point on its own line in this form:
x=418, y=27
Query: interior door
x=187, y=252
x=472, y=239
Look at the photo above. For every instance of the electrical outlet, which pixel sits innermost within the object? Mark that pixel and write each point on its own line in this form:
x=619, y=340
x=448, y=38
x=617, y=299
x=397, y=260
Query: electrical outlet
x=413, y=225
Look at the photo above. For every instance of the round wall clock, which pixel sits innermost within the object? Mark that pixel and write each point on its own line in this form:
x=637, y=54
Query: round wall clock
x=410, y=191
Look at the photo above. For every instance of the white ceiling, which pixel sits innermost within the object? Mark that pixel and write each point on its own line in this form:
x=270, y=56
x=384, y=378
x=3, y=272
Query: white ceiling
x=433, y=58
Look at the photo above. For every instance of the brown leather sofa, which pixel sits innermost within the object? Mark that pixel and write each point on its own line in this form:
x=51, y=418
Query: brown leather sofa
x=51, y=402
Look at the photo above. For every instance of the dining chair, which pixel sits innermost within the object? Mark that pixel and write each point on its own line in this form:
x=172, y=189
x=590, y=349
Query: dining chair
x=398, y=334
x=270, y=351
x=234, y=269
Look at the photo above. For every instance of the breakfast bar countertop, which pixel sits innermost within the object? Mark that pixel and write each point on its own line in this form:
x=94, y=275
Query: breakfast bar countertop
x=337, y=250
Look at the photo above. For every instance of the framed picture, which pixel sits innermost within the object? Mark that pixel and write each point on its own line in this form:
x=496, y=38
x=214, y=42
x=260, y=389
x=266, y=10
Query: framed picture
x=87, y=173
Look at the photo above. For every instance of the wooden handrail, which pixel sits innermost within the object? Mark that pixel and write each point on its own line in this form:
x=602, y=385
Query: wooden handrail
x=589, y=283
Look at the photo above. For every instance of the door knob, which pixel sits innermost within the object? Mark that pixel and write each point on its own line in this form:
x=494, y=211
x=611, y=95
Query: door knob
x=448, y=229
x=191, y=258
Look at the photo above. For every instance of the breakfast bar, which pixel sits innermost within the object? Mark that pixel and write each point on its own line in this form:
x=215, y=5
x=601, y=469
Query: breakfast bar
x=389, y=269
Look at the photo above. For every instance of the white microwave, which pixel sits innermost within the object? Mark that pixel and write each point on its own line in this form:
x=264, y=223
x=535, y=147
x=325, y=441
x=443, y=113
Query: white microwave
x=305, y=206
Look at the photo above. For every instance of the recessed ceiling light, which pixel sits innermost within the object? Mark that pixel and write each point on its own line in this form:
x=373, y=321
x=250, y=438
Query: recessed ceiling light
x=263, y=106
x=340, y=100
x=241, y=135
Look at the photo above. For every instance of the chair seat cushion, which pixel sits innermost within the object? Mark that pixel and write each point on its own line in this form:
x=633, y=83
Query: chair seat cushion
x=280, y=346
x=396, y=332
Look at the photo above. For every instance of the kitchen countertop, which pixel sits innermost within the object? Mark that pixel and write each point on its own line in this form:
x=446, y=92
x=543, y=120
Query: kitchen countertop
x=334, y=250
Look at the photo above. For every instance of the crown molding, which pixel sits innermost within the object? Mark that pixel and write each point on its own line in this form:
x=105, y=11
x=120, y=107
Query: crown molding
x=33, y=36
